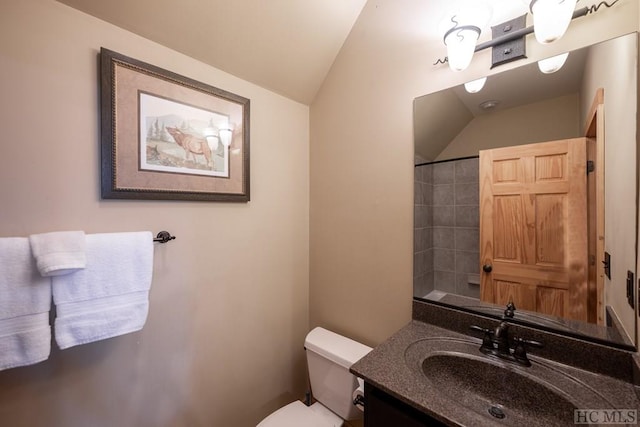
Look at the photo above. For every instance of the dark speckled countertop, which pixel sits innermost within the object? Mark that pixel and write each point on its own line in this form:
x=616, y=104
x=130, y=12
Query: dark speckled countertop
x=395, y=368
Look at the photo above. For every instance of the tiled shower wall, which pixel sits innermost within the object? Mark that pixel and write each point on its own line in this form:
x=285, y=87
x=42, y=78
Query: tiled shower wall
x=423, y=231
x=446, y=231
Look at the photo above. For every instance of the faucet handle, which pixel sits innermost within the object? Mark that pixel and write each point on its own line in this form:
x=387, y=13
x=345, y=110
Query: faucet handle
x=487, y=339
x=532, y=343
x=520, y=351
x=481, y=329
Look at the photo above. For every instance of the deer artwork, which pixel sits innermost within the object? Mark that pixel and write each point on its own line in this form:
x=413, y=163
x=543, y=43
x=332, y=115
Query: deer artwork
x=192, y=145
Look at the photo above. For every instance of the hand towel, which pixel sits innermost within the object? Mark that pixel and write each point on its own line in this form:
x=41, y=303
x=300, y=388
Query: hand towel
x=109, y=297
x=58, y=253
x=25, y=301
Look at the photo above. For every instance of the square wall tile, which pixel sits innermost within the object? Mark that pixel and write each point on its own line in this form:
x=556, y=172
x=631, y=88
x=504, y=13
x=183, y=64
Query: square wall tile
x=427, y=174
x=443, y=237
x=443, y=216
x=467, y=194
x=443, y=195
x=418, y=220
x=418, y=265
x=444, y=281
x=418, y=191
x=467, y=239
x=422, y=216
x=427, y=260
x=443, y=173
x=427, y=194
x=465, y=288
x=423, y=173
x=422, y=285
x=467, y=216
x=444, y=259
x=422, y=239
x=467, y=262
x=422, y=262
x=467, y=170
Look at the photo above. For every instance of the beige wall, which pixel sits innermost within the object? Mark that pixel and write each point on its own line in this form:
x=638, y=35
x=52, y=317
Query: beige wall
x=229, y=302
x=517, y=126
x=362, y=158
x=233, y=296
x=618, y=82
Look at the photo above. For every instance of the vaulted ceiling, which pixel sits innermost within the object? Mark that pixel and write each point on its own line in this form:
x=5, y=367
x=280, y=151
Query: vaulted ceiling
x=286, y=46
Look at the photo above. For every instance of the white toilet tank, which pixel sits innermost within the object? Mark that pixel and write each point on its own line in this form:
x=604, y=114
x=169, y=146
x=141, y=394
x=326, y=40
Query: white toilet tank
x=329, y=357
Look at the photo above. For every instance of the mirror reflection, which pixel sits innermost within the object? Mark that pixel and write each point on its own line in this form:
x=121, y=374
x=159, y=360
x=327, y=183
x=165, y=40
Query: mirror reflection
x=505, y=209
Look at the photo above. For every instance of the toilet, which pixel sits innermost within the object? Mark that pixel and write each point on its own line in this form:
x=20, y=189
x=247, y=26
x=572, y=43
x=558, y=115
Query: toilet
x=329, y=357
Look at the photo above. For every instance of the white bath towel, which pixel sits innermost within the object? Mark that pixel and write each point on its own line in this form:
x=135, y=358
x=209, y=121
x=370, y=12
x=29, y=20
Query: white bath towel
x=110, y=297
x=25, y=301
x=58, y=253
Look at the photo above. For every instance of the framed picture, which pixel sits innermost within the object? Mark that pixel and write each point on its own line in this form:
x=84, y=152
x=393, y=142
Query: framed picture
x=168, y=137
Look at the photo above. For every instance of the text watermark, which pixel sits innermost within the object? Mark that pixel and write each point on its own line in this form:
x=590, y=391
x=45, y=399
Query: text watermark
x=605, y=416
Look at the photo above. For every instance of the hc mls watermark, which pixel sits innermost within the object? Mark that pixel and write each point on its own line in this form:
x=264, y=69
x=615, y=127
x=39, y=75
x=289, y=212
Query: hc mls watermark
x=605, y=416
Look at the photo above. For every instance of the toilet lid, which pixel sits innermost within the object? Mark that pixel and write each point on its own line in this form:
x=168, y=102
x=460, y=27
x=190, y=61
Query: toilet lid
x=295, y=414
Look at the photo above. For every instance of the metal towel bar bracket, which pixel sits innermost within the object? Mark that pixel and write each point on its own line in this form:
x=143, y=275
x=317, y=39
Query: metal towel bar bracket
x=164, y=237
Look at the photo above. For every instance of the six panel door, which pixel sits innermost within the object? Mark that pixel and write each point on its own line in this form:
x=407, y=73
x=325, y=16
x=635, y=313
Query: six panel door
x=533, y=227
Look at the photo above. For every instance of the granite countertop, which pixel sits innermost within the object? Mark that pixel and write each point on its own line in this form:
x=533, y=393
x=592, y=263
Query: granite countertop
x=575, y=327
x=395, y=368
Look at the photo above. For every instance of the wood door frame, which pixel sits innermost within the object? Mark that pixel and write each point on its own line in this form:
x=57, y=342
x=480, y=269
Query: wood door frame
x=594, y=128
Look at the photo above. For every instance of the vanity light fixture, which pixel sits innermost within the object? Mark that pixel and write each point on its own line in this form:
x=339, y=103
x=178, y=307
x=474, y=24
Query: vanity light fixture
x=214, y=135
x=467, y=20
x=461, y=42
x=553, y=64
x=551, y=19
x=475, y=85
x=226, y=135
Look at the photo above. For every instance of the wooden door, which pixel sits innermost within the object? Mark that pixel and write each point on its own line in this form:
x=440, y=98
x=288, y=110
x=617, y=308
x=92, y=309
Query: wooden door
x=533, y=227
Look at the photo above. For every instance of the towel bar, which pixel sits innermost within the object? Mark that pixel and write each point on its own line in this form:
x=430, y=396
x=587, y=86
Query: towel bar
x=163, y=237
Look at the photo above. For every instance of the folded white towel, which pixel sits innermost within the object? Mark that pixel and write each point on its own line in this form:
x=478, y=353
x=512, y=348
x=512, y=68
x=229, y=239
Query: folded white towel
x=110, y=297
x=25, y=301
x=58, y=253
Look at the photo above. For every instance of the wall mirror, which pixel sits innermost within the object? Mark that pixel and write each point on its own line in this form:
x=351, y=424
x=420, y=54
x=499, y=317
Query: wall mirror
x=518, y=110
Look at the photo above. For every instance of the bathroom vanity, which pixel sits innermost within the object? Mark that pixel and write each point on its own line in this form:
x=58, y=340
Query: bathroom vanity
x=569, y=354
x=433, y=372
x=385, y=410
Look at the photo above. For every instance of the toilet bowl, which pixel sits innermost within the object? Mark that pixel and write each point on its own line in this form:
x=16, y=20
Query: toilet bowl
x=329, y=357
x=297, y=414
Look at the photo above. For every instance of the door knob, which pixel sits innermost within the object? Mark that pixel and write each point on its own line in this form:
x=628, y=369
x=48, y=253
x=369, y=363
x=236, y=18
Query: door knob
x=487, y=268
